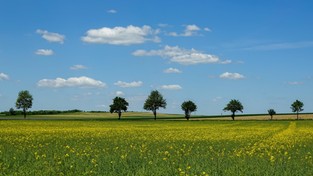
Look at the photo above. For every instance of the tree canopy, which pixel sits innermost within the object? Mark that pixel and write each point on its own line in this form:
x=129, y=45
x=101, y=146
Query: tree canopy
x=234, y=106
x=119, y=105
x=154, y=101
x=24, y=101
x=297, y=107
x=271, y=112
x=188, y=107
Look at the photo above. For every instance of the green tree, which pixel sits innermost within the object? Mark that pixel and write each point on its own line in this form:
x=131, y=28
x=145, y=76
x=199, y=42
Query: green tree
x=188, y=107
x=119, y=105
x=154, y=101
x=24, y=101
x=271, y=112
x=233, y=106
x=297, y=107
x=12, y=112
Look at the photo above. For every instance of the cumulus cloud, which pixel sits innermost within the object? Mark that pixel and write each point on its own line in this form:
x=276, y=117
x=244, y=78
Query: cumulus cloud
x=44, y=52
x=234, y=76
x=122, y=35
x=4, y=76
x=190, y=30
x=78, y=67
x=180, y=55
x=71, y=82
x=172, y=70
x=119, y=93
x=112, y=11
x=171, y=87
x=50, y=36
x=126, y=84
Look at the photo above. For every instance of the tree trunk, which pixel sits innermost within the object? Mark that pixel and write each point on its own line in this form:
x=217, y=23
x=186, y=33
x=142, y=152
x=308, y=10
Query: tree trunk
x=24, y=112
x=297, y=115
x=233, y=116
x=119, y=115
x=154, y=113
x=271, y=117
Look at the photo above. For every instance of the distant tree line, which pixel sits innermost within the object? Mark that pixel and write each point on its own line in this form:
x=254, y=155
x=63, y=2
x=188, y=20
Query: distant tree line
x=154, y=102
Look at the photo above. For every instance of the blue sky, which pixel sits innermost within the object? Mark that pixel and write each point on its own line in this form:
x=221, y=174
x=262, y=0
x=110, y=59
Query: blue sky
x=80, y=55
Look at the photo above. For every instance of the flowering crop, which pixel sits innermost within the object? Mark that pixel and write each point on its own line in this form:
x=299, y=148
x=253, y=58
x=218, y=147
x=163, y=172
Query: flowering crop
x=61, y=147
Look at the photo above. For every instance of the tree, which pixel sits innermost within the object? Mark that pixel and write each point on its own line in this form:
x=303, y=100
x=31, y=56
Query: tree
x=12, y=112
x=24, y=101
x=119, y=105
x=154, y=102
x=271, y=112
x=234, y=106
x=188, y=107
x=297, y=107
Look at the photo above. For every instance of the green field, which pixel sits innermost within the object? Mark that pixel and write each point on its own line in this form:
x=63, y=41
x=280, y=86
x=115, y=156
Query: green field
x=148, y=147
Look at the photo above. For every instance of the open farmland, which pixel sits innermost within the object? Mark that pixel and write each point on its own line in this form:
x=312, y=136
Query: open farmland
x=111, y=147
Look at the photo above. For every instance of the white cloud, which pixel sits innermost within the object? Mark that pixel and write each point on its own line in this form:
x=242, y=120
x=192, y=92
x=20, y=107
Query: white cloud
x=121, y=35
x=171, y=87
x=44, y=52
x=190, y=30
x=112, y=11
x=78, y=67
x=172, y=70
x=180, y=55
x=50, y=36
x=4, y=76
x=216, y=99
x=207, y=29
x=119, y=93
x=71, y=82
x=233, y=76
x=226, y=62
x=294, y=83
x=131, y=84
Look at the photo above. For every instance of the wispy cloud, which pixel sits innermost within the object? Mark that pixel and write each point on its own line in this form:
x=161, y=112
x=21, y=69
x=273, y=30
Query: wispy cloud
x=281, y=46
x=233, y=76
x=4, y=76
x=44, y=52
x=180, y=55
x=78, y=67
x=126, y=84
x=121, y=35
x=171, y=87
x=50, y=36
x=119, y=93
x=112, y=11
x=294, y=83
x=71, y=82
x=172, y=70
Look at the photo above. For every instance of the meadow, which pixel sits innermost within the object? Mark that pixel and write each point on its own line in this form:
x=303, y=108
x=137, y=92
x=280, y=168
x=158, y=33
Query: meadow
x=148, y=147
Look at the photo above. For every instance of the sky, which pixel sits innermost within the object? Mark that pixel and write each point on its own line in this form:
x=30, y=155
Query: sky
x=80, y=55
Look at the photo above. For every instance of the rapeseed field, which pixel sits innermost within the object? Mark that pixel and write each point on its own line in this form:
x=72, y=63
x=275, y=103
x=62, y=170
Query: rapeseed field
x=68, y=147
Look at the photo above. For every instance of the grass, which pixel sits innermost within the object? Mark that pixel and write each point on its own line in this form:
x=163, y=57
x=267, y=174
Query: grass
x=147, y=147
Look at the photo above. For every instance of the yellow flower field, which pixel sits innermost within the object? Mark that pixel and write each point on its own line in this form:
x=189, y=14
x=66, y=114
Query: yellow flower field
x=69, y=147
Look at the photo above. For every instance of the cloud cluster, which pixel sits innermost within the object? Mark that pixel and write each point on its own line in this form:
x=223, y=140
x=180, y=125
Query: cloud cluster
x=50, y=36
x=126, y=84
x=78, y=67
x=119, y=93
x=121, y=35
x=180, y=55
x=171, y=87
x=234, y=76
x=4, y=76
x=44, y=52
x=71, y=82
x=172, y=70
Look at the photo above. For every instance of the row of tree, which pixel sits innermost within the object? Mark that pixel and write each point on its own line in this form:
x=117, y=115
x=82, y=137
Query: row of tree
x=154, y=102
